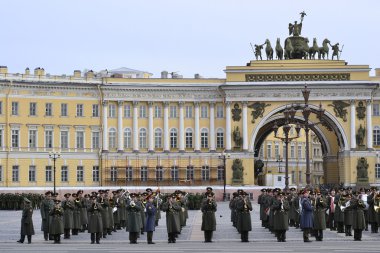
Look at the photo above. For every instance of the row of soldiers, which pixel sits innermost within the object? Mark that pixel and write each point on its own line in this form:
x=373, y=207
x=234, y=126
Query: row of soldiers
x=313, y=211
x=15, y=201
x=241, y=207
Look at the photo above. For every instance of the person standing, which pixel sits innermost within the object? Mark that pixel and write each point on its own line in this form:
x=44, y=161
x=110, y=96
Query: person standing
x=331, y=210
x=95, y=223
x=208, y=216
x=150, y=218
x=68, y=207
x=339, y=215
x=46, y=206
x=244, y=207
x=319, y=216
x=27, y=228
x=171, y=207
x=281, y=216
x=348, y=216
x=56, y=228
x=306, y=221
x=134, y=226
x=358, y=206
x=77, y=224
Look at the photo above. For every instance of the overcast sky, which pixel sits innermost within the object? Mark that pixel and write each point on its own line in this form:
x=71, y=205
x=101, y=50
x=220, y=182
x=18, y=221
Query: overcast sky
x=197, y=36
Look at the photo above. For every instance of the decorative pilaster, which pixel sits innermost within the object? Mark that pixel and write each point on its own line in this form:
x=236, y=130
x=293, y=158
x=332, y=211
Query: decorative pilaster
x=135, y=124
x=150, y=127
x=352, y=124
x=120, y=144
x=369, y=125
x=181, y=127
x=105, y=126
x=212, y=127
x=166, y=127
x=228, y=126
x=197, y=147
x=245, y=126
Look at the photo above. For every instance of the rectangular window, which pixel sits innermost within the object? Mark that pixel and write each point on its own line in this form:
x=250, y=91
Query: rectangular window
x=80, y=174
x=376, y=109
x=377, y=170
x=95, y=140
x=269, y=151
x=14, y=108
x=32, y=138
x=189, y=139
x=15, y=173
x=299, y=151
x=300, y=177
x=127, y=138
x=1, y=173
x=142, y=111
x=95, y=174
x=292, y=151
x=32, y=109
x=64, y=110
x=204, y=139
x=64, y=174
x=111, y=111
x=220, y=176
x=189, y=111
x=129, y=173
x=204, y=111
x=174, y=173
x=48, y=138
x=1, y=107
x=173, y=138
x=1, y=138
x=205, y=173
x=276, y=150
x=220, y=111
x=32, y=173
x=173, y=111
x=64, y=139
x=159, y=173
x=15, y=138
x=48, y=109
x=190, y=173
x=48, y=174
x=376, y=137
x=157, y=111
x=95, y=110
x=79, y=110
x=219, y=140
x=80, y=139
x=127, y=111
x=144, y=174
x=113, y=174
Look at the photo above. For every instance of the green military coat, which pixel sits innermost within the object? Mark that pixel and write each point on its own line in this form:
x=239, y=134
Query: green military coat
x=95, y=223
x=172, y=217
x=46, y=207
x=358, y=214
x=56, y=226
x=244, y=215
x=27, y=227
x=320, y=214
x=134, y=220
x=280, y=214
x=208, y=215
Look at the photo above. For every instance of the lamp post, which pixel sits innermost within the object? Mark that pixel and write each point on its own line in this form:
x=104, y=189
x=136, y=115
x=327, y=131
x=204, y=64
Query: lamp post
x=279, y=160
x=54, y=155
x=224, y=157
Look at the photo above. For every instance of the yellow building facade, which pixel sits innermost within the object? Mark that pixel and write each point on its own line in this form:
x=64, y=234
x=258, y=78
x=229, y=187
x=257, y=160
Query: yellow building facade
x=128, y=129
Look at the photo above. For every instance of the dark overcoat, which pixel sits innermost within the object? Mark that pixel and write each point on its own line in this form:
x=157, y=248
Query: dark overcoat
x=306, y=220
x=27, y=227
x=134, y=218
x=281, y=214
x=150, y=217
x=172, y=217
x=208, y=215
x=95, y=222
x=56, y=226
x=244, y=215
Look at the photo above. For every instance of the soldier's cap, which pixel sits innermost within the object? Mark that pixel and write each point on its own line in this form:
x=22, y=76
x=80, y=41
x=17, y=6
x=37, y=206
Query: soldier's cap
x=80, y=192
x=263, y=190
x=74, y=195
x=209, y=188
x=148, y=190
x=55, y=194
x=93, y=197
x=87, y=195
x=94, y=193
x=341, y=189
x=26, y=200
x=210, y=194
x=101, y=191
x=243, y=193
x=67, y=195
x=293, y=189
x=48, y=193
x=57, y=201
x=367, y=190
x=106, y=190
x=133, y=195
x=305, y=191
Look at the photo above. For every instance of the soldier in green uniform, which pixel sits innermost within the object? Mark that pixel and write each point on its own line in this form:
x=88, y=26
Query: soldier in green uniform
x=348, y=216
x=68, y=220
x=77, y=224
x=95, y=224
x=208, y=216
x=27, y=228
x=372, y=215
x=115, y=210
x=46, y=206
x=244, y=207
x=122, y=208
x=83, y=211
x=157, y=203
x=280, y=207
x=104, y=211
x=56, y=227
x=261, y=201
x=357, y=206
x=134, y=226
x=292, y=212
x=319, y=214
x=339, y=215
x=172, y=208
x=232, y=207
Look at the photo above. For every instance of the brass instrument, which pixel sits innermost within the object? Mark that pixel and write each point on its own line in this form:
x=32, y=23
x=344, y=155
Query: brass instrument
x=347, y=204
x=376, y=205
x=282, y=205
x=132, y=204
x=95, y=206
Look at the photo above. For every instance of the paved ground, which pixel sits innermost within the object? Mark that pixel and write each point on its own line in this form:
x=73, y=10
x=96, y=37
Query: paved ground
x=226, y=239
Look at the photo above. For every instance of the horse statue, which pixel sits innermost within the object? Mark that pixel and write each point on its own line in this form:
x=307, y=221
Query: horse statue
x=279, y=50
x=324, y=50
x=268, y=50
x=288, y=49
x=306, y=49
x=313, y=50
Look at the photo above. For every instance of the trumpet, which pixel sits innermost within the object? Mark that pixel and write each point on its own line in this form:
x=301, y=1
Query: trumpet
x=95, y=206
x=132, y=204
x=348, y=203
x=282, y=205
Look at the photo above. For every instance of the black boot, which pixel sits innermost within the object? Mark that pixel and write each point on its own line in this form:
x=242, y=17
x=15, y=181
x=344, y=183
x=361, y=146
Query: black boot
x=22, y=239
x=97, y=237
x=92, y=238
x=150, y=237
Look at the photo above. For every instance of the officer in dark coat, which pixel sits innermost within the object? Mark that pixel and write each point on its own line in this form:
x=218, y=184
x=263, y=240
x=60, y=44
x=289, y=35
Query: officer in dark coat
x=104, y=211
x=68, y=220
x=150, y=218
x=358, y=206
x=339, y=215
x=244, y=207
x=208, y=216
x=348, y=216
x=27, y=228
x=261, y=201
x=232, y=207
x=306, y=220
x=95, y=223
x=372, y=215
x=77, y=224
x=134, y=226
x=46, y=206
x=281, y=216
x=319, y=204
x=172, y=209
x=56, y=227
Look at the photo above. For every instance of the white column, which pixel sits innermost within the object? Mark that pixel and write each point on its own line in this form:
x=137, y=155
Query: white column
x=181, y=128
x=105, y=126
x=212, y=126
x=150, y=127
x=369, y=125
x=228, y=125
x=120, y=144
x=197, y=147
x=166, y=127
x=245, y=126
x=352, y=125
x=135, y=124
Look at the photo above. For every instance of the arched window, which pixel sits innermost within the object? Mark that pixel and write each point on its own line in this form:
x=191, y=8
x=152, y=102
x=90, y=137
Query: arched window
x=204, y=138
x=127, y=138
x=219, y=138
x=173, y=138
x=142, y=136
x=112, y=138
x=189, y=138
x=158, y=138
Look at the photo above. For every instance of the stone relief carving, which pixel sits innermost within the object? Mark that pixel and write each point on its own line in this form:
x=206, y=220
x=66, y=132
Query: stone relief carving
x=296, y=77
x=360, y=111
x=258, y=110
x=340, y=109
x=236, y=112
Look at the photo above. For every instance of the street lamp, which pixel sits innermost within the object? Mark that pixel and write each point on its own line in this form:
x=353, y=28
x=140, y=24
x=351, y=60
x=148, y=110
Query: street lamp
x=54, y=155
x=224, y=157
x=279, y=160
